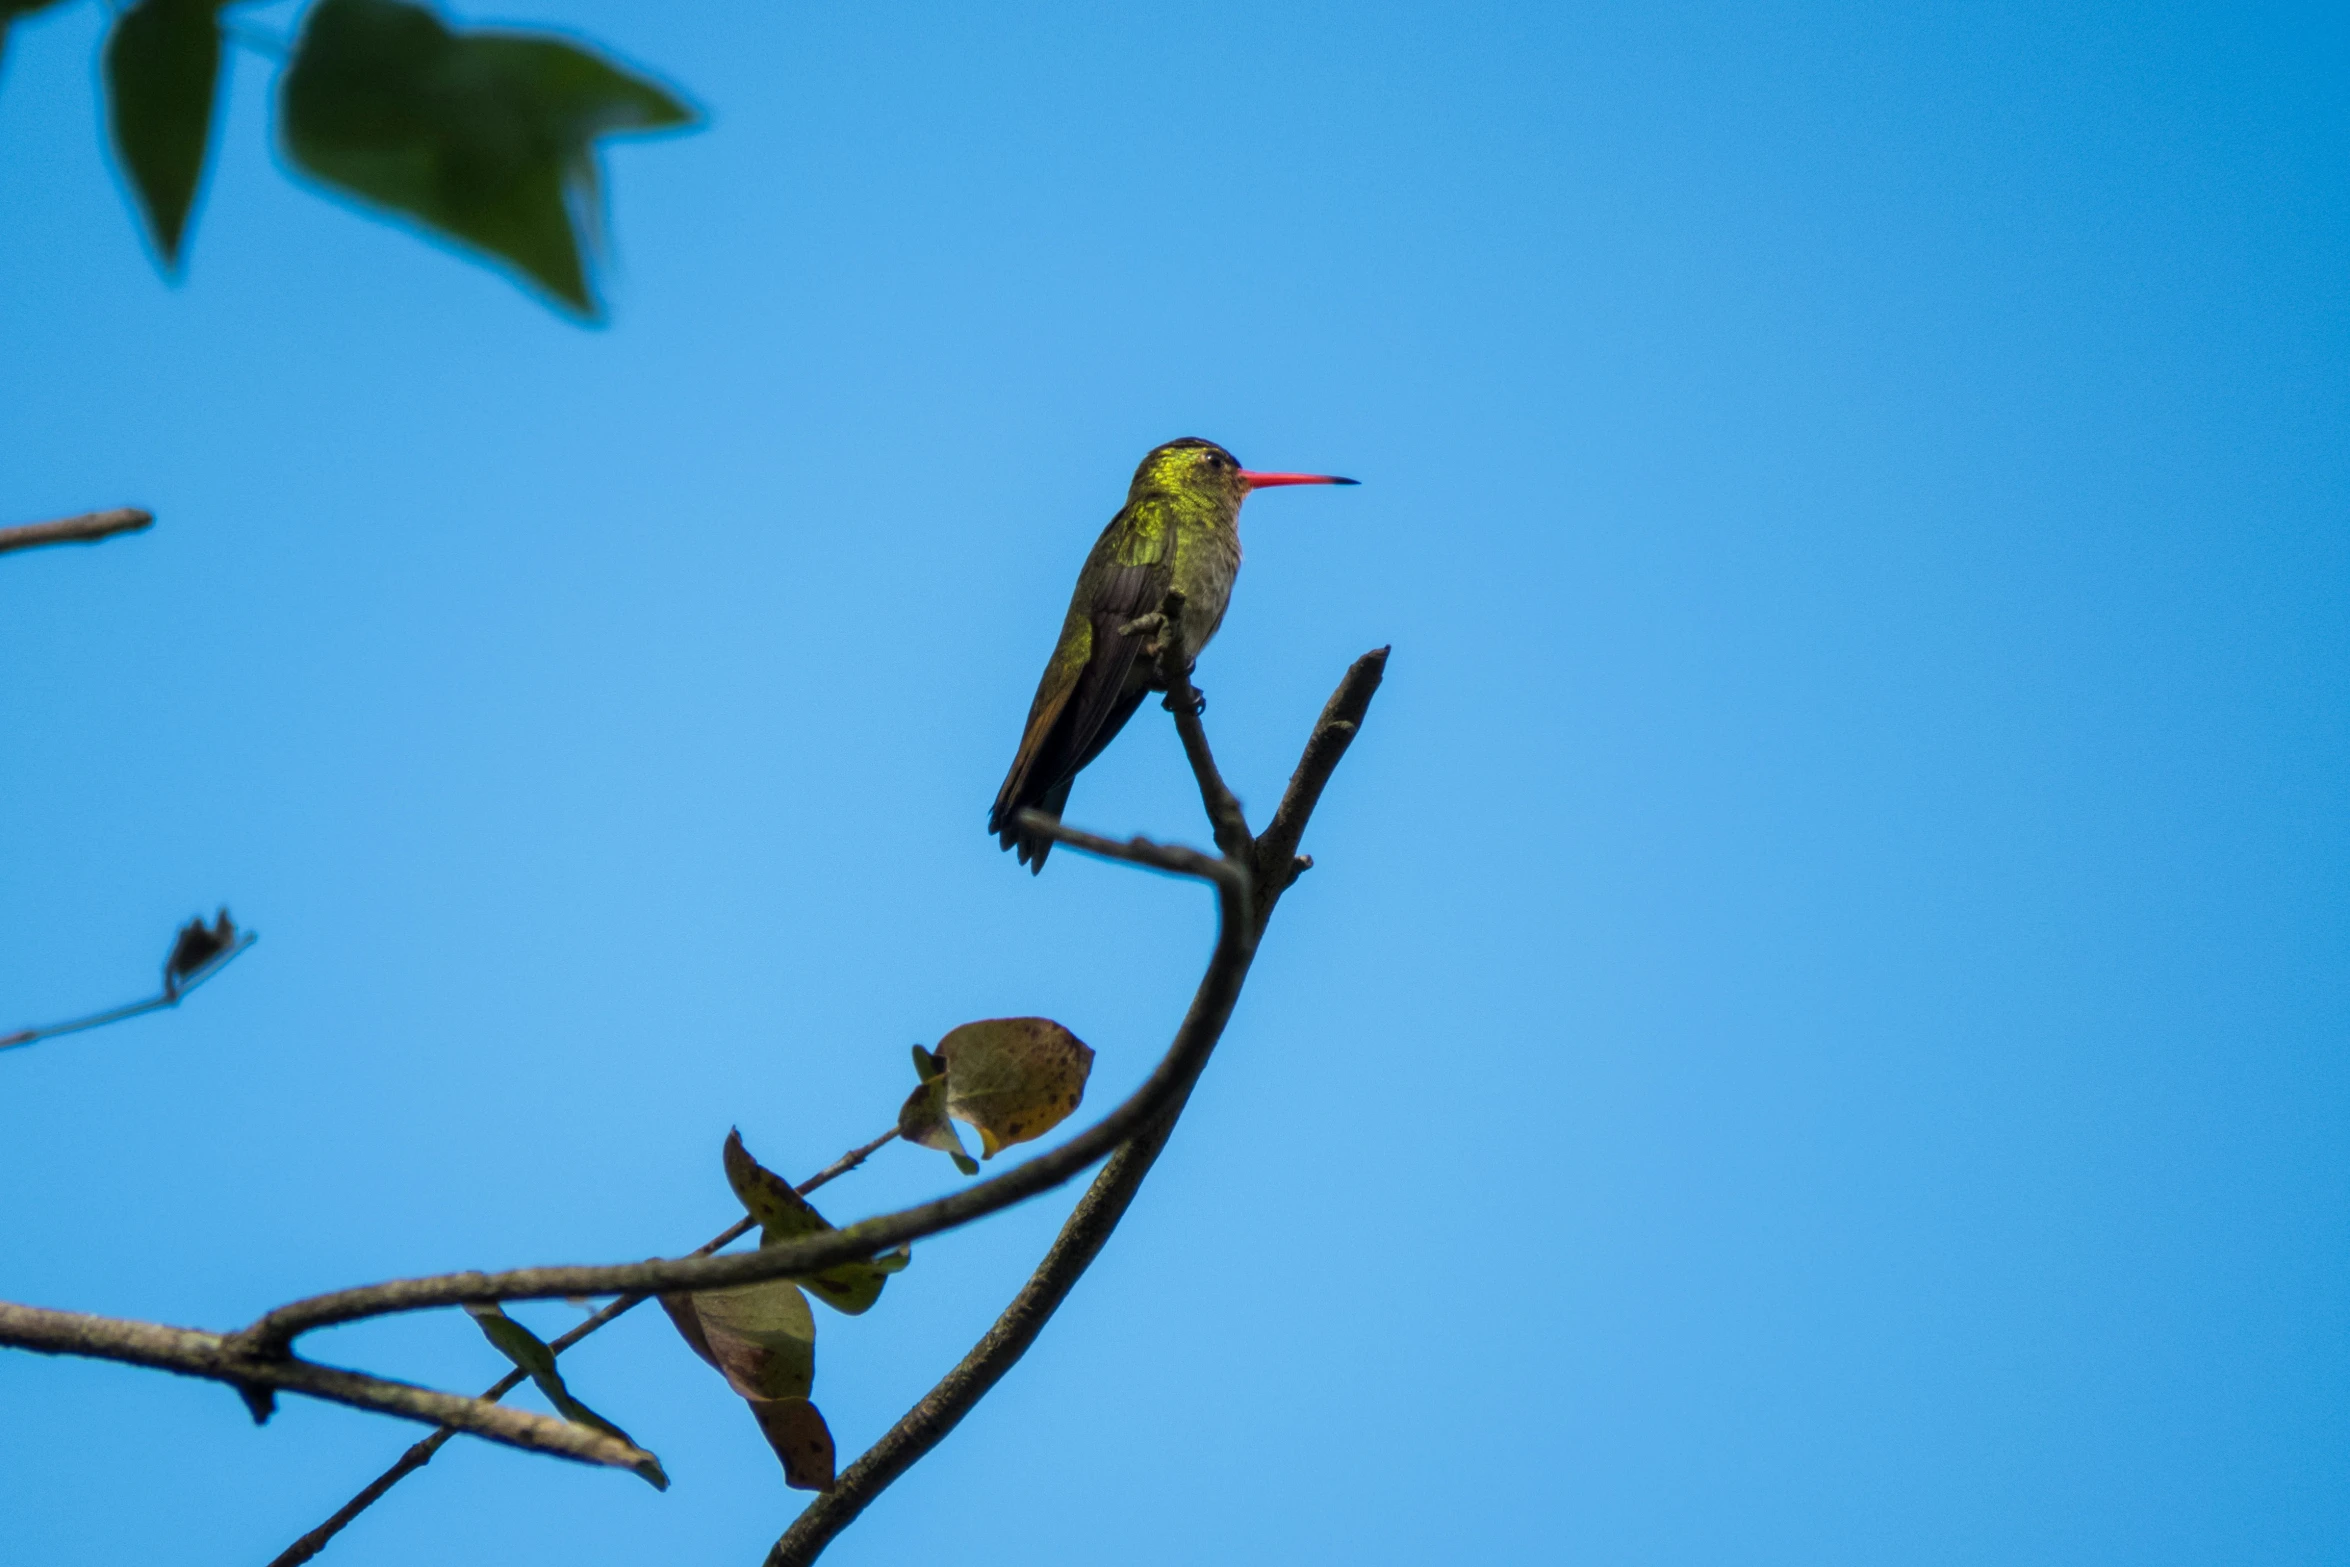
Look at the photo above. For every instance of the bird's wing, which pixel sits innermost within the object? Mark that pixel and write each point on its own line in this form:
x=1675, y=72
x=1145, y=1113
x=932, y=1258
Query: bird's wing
x=1101, y=704
x=1082, y=701
x=1021, y=786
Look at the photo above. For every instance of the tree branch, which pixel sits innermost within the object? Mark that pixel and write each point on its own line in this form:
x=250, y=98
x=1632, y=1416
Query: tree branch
x=170, y=996
x=88, y=528
x=1185, y=702
x=1275, y=857
x=1211, y=1005
x=1105, y=1202
x=421, y=1454
x=211, y=1355
x=941, y=1409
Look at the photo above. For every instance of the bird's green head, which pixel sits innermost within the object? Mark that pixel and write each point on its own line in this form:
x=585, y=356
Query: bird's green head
x=1201, y=470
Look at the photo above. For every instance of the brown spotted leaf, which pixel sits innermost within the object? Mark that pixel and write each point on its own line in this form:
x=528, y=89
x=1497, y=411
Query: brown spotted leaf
x=783, y=1215
x=1013, y=1078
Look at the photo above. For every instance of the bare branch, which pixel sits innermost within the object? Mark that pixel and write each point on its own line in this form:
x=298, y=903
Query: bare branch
x=1275, y=855
x=170, y=996
x=1211, y=1006
x=88, y=528
x=1170, y=857
x=1137, y=1130
x=421, y=1454
x=222, y=1359
x=1097, y=1213
x=1185, y=702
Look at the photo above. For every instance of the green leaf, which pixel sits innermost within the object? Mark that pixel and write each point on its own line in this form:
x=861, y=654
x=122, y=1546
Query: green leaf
x=162, y=63
x=762, y=1339
x=783, y=1215
x=518, y=1344
x=485, y=138
x=10, y=10
x=1012, y=1078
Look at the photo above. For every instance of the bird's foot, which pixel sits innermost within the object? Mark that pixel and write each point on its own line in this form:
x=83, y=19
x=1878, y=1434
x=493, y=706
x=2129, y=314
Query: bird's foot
x=1199, y=702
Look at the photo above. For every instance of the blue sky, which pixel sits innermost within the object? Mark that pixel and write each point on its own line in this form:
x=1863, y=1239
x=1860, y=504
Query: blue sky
x=1817, y=1033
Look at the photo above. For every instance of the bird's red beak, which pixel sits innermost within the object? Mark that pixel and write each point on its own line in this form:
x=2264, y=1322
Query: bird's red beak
x=1266, y=481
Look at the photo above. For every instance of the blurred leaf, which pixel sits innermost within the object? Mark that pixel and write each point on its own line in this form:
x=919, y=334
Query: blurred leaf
x=195, y=947
x=783, y=1214
x=10, y=10
x=162, y=63
x=762, y=1339
x=922, y=1119
x=1012, y=1078
x=518, y=1344
x=486, y=138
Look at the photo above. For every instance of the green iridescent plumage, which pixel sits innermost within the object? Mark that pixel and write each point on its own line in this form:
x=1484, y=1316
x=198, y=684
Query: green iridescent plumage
x=1179, y=528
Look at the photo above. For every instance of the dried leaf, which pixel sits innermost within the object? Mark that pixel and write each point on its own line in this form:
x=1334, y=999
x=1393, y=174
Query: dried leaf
x=195, y=947
x=797, y=1432
x=783, y=1215
x=486, y=138
x=1012, y=1078
x=162, y=61
x=535, y=1359
x=922, y=1119
x=762, y=1339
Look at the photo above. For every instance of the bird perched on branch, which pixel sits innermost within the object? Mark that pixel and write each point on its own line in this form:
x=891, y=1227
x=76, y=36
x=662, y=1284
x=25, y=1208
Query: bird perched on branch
x=1179, y=529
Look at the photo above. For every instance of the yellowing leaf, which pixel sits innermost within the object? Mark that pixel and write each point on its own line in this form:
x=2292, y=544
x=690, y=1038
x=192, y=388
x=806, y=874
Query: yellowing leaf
x=783, y=1215
x=537, y=1360
x=782, y=1212
x=1011, y=1078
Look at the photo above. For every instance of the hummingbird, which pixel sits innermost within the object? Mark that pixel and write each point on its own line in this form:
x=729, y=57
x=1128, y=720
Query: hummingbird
x=1179, y=528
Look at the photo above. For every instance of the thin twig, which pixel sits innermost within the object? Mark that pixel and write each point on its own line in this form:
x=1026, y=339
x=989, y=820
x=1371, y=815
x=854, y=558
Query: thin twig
x=1275, y=857
x=1184, y=701
x=274, y=1333
x=1105, y=1202
x=169, y=996
x=221, y=1359
x=421, y=1454
x=1172, y=858
x=88, y=528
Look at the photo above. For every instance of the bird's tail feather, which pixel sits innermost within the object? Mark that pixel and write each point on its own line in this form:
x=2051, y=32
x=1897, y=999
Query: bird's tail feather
x=1035, y=846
